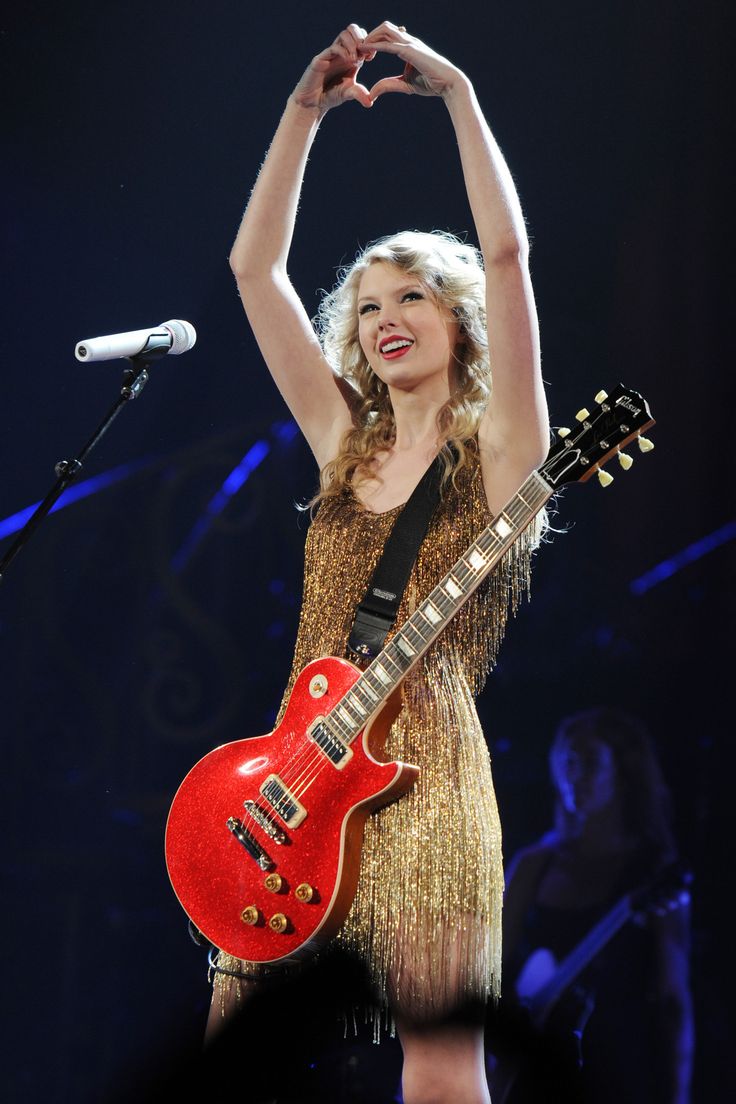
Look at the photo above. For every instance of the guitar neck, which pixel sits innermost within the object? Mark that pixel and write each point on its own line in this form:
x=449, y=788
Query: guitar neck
x=411, y=641
x=576, y=961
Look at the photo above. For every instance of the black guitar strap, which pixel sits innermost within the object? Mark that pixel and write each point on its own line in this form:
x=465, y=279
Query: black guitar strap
x=376, y=614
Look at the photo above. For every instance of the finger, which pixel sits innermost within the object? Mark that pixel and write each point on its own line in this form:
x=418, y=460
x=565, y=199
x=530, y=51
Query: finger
x=352, y=39
x=357, y=33
x=387, y=28
x=347, y=42
x=388, y=46
x=360, y=93
x=336, y=52
x=359, y=36
x=337, y=59
x=390, y=84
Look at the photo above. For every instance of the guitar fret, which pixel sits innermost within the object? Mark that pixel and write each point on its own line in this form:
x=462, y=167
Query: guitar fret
x=365, y=697
x=430, y=613
x=444, y=603
x=335, y=726
x=476, y=559
x=389, y=654
x=412, y=626
x=381, y=673
x=368, y=690
x=502, y=527
x=356, y=705
x=463, y=573
x=351, y=714
x=489, y=540
x=451, y=587
x=403, y=645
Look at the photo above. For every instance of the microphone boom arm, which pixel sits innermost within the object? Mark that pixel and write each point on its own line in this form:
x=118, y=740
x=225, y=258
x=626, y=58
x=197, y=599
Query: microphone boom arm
x=135, y=378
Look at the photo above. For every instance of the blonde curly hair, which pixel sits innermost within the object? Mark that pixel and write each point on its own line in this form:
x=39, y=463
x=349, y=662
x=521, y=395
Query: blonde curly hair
x=453, y=274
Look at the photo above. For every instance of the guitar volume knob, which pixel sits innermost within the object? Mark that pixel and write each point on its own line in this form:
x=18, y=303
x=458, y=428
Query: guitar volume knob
x=304, y=892
x=318, y=686
x=250, y=915
x=278, y=923
x=274, y=883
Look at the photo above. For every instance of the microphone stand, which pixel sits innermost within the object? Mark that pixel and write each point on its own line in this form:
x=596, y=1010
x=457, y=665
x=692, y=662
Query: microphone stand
x=135, y=378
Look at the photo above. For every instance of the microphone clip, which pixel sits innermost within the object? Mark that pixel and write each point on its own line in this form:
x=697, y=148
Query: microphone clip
x=135, y=377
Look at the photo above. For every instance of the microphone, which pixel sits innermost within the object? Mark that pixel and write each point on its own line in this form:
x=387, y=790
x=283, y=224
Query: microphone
x=174, y=337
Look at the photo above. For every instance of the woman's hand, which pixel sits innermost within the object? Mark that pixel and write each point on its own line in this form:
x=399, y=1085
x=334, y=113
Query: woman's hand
x=330, y=77
x=425, y=72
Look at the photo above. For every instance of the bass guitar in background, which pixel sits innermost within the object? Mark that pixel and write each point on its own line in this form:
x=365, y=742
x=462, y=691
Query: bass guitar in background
x=544, y=982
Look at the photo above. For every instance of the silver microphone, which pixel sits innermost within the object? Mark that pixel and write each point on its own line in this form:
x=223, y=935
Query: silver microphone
x=179, y=335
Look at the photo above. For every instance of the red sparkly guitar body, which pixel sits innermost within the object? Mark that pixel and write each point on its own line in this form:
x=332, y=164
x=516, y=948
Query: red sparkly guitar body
x=294, y=853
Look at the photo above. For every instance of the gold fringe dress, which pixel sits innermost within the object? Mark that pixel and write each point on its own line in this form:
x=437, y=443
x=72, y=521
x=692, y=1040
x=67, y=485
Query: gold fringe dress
x=426, y=919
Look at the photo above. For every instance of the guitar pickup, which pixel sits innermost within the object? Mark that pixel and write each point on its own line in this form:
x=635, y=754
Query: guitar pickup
x=250, y=843
x=282, y=801
x=330, y=745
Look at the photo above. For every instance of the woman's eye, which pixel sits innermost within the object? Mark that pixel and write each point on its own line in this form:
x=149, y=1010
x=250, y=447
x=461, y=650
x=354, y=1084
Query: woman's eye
x=413, y=295
x=366, y=307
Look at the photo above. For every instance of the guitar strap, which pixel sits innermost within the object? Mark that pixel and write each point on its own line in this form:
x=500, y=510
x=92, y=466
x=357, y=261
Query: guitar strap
x=376, y=614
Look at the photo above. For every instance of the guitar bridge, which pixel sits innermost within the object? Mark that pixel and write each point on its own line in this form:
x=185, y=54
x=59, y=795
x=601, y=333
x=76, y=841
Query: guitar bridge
x=250, y=843
x=264, y=821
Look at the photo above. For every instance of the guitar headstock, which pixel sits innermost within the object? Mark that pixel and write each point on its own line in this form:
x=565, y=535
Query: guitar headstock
x=667, y=892
x=600, y=433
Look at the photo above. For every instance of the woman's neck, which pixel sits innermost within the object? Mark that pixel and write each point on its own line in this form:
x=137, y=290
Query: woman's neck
x=415, y=418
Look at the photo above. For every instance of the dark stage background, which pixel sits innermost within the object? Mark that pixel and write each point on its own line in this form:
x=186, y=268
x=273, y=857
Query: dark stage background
x=152, y=620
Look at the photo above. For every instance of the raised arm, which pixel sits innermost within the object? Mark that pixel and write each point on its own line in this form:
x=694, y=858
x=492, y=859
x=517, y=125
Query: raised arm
x=259, y=256
x=514, y=433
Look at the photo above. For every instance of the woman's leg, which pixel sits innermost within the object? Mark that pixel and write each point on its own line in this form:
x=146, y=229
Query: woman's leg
x=439, y=1022
x=443, y=1064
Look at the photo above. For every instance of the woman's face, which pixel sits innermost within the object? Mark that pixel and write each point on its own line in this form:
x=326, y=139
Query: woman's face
x=585, y=775
x=408, y=339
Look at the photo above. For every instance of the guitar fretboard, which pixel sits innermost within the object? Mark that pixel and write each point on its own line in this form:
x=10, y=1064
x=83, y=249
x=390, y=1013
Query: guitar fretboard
x=406, y=648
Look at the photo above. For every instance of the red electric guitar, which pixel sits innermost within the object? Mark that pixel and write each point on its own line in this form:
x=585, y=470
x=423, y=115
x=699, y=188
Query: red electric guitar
x=264, y=834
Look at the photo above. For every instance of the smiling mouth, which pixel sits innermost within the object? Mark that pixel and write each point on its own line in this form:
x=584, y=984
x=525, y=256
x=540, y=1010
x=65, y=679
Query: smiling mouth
x=390, y=350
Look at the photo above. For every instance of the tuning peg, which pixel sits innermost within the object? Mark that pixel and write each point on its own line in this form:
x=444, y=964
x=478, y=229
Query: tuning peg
x=645, y=445
x=625, y=460
x=582, y=414
x=604, y=478
x=601, y=396
x=563, y=431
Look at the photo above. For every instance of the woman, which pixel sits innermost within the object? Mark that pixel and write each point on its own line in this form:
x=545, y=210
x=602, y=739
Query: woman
x=403, y=369
x=630, y=1008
